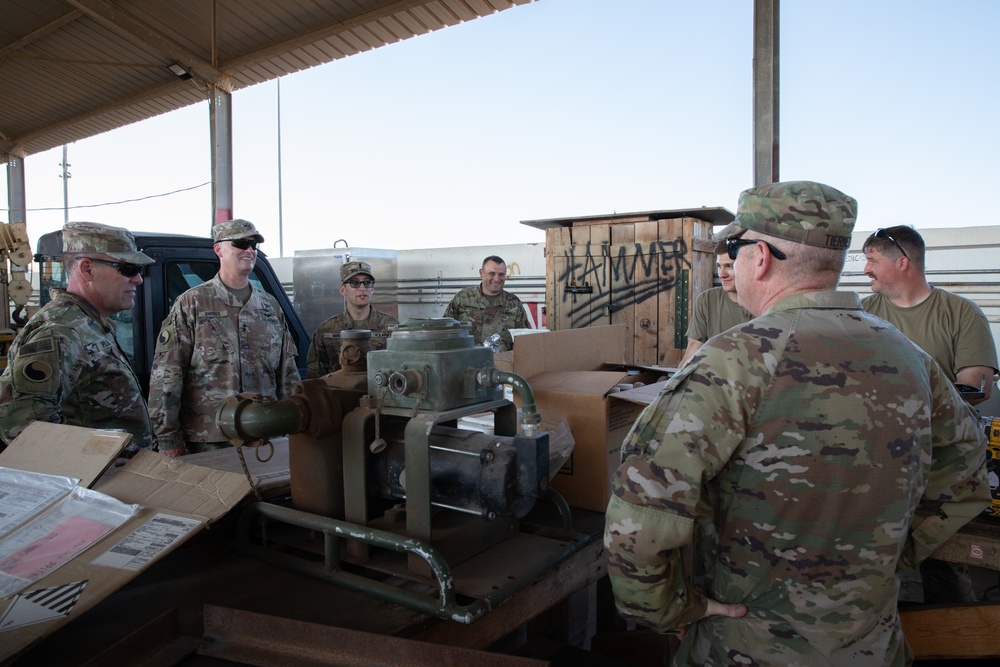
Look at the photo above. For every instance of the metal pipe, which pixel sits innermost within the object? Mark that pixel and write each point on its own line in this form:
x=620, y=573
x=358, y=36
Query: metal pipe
x=530, y=418
x=247, y=417
x=446, y=605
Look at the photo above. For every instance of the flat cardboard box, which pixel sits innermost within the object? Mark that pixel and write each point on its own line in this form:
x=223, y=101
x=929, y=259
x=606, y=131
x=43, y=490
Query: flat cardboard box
x=177, y=500
x=569, y=377
x=42, y=447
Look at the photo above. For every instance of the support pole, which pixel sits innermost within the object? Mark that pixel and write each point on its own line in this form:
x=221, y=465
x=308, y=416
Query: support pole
x=766, y=91
x=221, y=119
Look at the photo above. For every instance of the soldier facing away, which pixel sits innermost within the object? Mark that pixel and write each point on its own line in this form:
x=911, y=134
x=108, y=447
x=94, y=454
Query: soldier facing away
x=805, y=456
x=221, y=338
x=66, y=365
x=488, y=308
x=357, y=284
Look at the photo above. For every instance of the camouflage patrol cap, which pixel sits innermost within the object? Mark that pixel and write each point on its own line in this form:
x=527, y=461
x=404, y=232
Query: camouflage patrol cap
x=93, y=237
x=802, y=211
x=236, y=229
x=351, y=269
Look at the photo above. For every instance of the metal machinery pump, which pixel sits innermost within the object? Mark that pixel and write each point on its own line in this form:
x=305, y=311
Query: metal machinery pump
x=381, y=468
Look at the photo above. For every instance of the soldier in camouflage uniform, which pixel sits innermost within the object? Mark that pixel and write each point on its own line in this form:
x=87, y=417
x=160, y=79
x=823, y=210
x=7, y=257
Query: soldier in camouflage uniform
x=221, y=338
x=66, y=365
x=806, y=456
x=357, y=284
x=488, y=308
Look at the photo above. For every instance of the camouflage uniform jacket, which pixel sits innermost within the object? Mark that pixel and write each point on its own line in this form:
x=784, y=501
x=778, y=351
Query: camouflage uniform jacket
x=807, y=455
x=505, y=313
x=201, y=360
x=324, y=348
x=66, y=367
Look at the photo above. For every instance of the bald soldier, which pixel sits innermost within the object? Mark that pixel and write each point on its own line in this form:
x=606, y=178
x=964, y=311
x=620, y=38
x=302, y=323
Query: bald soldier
x=488, y=308
x=805, y=456
x=66, y=365
x=221, y=338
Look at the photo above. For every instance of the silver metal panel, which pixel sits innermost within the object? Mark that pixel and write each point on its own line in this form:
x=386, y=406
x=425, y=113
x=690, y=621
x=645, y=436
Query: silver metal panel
x=316, y=282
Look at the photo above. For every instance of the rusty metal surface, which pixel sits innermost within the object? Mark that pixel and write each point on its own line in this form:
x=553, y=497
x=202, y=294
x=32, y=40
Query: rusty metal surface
x=266, y=641
x=204, y=572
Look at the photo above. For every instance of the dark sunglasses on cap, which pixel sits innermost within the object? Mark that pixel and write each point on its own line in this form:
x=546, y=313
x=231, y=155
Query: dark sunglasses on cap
x=126, y=269
x=733, y=245
x=881, y=234
x=243, y=244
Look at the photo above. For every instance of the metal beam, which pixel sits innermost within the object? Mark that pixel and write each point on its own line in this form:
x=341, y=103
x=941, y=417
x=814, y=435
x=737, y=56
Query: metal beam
x=766, y=91
x=153, y=94
x=122, y=23
x=68, y=17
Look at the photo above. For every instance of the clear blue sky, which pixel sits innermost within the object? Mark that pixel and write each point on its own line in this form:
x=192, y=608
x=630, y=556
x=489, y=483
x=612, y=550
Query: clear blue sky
x=569, y=108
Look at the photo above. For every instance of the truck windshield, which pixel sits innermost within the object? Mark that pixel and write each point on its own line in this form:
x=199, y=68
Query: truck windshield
x=180, y=276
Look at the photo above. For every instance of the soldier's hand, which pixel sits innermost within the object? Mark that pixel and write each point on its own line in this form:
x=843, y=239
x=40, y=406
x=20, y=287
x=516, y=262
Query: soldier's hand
x=173, y=453
x=716, y=608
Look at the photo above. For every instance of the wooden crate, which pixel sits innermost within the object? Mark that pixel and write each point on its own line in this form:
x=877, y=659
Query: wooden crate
x=642, y=270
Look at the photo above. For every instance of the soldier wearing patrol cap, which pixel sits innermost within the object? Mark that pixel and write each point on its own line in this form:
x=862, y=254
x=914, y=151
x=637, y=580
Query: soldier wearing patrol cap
x=66, y=365
x=805, y=456
x=221, y=338
x=357, y=284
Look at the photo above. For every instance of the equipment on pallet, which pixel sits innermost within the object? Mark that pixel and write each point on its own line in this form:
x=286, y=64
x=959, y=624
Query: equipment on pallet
x=390, y=496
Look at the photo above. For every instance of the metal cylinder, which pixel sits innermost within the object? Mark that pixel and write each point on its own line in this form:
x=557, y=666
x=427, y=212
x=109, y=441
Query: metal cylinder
x=355, y=344
x=470, y=472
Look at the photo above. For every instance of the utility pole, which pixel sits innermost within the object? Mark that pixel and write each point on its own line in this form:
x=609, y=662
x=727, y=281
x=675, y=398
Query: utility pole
x=281, y=231
x=65, y=175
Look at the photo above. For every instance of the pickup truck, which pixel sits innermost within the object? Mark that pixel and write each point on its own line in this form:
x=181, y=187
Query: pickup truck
x=181, y=263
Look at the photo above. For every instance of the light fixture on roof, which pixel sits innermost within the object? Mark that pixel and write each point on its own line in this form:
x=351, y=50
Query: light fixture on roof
x=179, y=71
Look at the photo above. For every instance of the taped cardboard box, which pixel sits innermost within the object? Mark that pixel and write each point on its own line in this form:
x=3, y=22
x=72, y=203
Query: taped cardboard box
x=568, y=374
x=175, y=501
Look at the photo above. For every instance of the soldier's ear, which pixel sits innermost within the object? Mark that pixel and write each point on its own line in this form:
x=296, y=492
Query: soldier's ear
x=85, y=267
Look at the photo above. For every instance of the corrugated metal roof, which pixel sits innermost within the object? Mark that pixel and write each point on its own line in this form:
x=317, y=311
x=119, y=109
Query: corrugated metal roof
x=70, y=69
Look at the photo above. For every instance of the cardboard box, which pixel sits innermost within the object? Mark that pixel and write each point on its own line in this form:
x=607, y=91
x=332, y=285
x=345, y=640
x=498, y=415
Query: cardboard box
x=568, y=374
x=176, y=500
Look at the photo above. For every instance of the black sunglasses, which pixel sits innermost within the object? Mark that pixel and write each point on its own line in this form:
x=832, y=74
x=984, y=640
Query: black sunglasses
x=357, y=284
x=243, y=244
x=881, y=234
x=125, y=268
x=734, y=244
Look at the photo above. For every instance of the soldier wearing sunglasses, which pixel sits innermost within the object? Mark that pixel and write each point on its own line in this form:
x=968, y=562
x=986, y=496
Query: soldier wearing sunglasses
x=805, y=457
x=221, y=338
x=950, y=328
x=357, y=284
x=66, y=366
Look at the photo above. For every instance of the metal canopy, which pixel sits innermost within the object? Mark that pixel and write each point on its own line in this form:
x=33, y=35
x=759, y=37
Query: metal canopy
x=71, y=69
